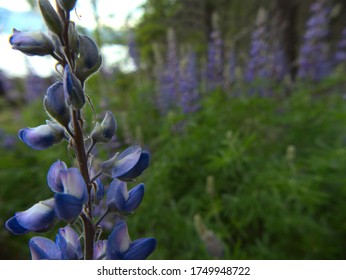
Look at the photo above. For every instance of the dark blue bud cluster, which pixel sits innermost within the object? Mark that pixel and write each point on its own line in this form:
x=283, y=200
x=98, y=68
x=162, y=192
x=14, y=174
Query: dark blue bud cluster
x=78, y=191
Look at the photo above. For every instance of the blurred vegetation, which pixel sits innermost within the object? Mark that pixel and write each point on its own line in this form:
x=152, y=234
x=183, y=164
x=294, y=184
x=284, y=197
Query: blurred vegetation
x=265, y=175
x=244, y=177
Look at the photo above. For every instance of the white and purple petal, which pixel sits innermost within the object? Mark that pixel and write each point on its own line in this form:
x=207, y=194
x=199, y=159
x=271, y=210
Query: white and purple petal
x=41, y=137
x=74, y=184
x=100, y=249
x=68, y=242
x=39, y=218
x=53, y=176
x=118, y=241
x=42, y=248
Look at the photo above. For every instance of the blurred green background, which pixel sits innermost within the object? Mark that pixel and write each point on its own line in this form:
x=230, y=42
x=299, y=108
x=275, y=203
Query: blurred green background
x=246, y=176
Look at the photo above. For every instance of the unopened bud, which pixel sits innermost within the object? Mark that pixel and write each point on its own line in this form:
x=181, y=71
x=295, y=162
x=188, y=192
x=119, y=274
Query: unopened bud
x=73, y=38
x=89, y=60
x=31, y=43
x=51, y=17
x=105, y=131
x=67, y=5
x=55, y=105
x=73, y=90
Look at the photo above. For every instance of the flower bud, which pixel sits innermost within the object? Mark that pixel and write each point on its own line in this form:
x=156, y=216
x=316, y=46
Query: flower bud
x=89, y=60
x=55, y=105
x=73, y=39
x=31, y=43
x=73, y=90
x=51, y=17
x=67, y=5
x=105, y=131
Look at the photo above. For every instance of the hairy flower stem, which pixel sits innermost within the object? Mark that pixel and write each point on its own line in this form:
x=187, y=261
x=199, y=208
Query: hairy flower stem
x=82, y=157
x=89, y=229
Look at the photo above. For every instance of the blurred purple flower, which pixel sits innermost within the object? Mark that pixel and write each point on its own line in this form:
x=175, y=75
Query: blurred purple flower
x=133, y=50
x=314, y=59
x=168, y=78
x=340, y=54
x=214, y=71
x=257, y=65
x=188, y=85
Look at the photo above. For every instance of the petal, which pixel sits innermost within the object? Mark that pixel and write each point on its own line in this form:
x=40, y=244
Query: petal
x=140, y=249
x=74, y=184
x=117, y=195
x=39, y=217
x=68, y=241
x=42, y=248
x=67, y=207
x=53, y=176
x=135, y=198
x=141, y=165
x=13, y=226
x=100, y=249
x=41, y=137
x=118, y=241
x=126, y=161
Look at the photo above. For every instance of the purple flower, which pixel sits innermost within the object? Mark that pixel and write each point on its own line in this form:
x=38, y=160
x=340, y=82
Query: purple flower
x=189, y=85
x=68, y=242
x=259, y=50
x=314, y=61
x=340, y=55
x=214, y=71
x=128, y=165
x=100, y=250
x=119, y=199
x=31, y=43
x=69, y=202
x=38, y=218
x=42, y=248
x=53, y=176
x=41, y=137
x=120, y=247
x=168, y=77
x=133, y=50
x=66, y=247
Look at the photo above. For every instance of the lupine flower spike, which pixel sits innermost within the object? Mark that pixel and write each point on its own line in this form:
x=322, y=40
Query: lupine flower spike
x=77, y=190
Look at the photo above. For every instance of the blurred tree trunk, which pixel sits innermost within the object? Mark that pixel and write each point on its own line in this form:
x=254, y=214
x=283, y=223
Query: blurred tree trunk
x=288, y=12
